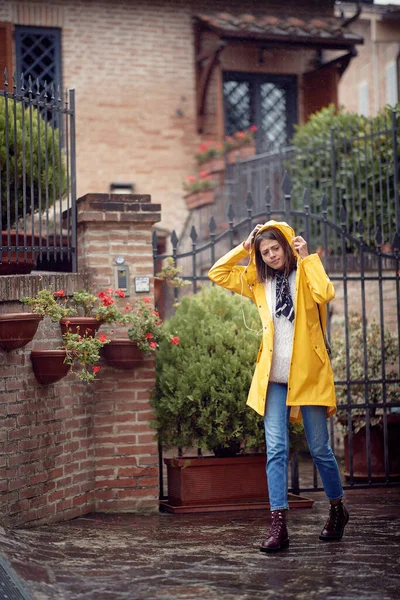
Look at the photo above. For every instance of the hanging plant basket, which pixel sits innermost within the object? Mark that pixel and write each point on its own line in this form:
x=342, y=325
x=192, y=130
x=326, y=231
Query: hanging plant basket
x=49, y=366
x=17, y=329
x=82, y=325
x=123, y=354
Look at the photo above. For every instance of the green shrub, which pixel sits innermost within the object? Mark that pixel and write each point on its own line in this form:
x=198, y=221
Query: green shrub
x=203, y=383
x=19, y=149
x=357, y=391
x=364, y=166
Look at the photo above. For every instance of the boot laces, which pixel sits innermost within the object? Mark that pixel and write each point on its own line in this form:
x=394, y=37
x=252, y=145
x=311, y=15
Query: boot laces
x=333, y=518
x=277, y=524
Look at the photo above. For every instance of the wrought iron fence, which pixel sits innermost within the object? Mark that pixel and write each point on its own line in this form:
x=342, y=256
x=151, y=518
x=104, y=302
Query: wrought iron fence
x=355, y=170
x=38, y=178
x=366, y=362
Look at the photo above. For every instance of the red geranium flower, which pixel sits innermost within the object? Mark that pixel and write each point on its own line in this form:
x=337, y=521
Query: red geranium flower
x=253, y=128
x=96, y=369
x=128, y=307
x=175, y=340
x=156, y=313
x=191, y=179
x=149, y=336
x=107, y=301
x=109, y=290
x=153, y=344
x=60, y=293
x=120, y=293
x=102, y=338
x=101, y=295
x=146, y=299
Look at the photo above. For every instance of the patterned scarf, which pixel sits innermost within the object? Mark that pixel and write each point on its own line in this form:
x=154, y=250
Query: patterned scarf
x=284, y=303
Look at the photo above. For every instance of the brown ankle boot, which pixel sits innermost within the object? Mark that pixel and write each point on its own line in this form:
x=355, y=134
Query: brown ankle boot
x=337, y=521
x=278, y=538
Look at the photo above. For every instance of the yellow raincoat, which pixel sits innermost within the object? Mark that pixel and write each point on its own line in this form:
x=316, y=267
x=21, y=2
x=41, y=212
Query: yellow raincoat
x=310, y=378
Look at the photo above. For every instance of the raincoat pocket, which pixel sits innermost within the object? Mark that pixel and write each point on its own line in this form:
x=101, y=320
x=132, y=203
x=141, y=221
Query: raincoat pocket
x=317, y=341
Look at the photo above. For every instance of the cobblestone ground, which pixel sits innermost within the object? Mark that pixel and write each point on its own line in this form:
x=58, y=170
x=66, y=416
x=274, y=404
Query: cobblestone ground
x=213, y=556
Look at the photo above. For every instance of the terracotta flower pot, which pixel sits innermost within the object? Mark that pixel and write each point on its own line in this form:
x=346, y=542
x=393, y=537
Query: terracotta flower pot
x=82, y=325
x=49, y=366
x=122, y=354
x=196, y=199
x=17, y=329
x=213, y=165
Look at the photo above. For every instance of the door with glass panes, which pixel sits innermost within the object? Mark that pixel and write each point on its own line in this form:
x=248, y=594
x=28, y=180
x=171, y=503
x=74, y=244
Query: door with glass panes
x=267, y=101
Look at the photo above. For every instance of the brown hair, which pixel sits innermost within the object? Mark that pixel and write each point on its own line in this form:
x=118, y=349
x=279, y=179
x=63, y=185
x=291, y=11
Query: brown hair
x=265, y=272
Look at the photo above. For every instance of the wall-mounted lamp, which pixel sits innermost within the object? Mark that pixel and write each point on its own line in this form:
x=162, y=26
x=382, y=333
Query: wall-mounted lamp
x=122, y=188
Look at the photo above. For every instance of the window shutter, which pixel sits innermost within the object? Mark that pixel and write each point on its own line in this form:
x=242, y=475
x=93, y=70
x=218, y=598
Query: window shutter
x=320, y=89
x=363, y=99
x=6, y=51
x=391, y=83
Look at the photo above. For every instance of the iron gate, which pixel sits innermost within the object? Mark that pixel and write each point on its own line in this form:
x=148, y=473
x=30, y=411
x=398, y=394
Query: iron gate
x=365, y=318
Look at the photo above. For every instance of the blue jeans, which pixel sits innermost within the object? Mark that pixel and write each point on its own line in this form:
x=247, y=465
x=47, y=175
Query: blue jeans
x=276, y=424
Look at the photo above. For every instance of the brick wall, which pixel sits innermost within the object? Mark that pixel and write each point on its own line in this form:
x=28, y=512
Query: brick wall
x=133, y=66
x=70, y=448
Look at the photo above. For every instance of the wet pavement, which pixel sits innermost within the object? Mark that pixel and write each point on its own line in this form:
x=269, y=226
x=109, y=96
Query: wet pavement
x=212, y=556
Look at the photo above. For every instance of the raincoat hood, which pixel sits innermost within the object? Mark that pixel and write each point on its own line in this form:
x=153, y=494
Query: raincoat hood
x=284, y=228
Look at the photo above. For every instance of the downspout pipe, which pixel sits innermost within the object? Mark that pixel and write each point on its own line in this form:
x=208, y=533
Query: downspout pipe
x=354, y=17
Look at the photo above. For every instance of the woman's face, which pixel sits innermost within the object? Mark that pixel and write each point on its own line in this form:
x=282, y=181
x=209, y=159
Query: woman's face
x=272, y=254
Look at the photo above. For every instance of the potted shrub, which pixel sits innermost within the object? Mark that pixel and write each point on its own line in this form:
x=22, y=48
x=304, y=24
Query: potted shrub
x=78, y=355
x=24, y=132
x=210, y=157
x=143, y=336
x=357, y=393
x=240, y=145
x=200, y=402
x=90, y=310
x=199, y=191
x=17, y=329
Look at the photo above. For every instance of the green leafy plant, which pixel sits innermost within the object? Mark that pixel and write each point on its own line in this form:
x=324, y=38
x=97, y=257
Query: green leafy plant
x=104, y=306
x=240, y=138
x=202, y=383
x=357, y=392
x=25, y=138
x=46, y=302
x=170, y=273
x=145, y=326
x=193, y=185
x=85, y=352
x=357, y=169
x=207, y=151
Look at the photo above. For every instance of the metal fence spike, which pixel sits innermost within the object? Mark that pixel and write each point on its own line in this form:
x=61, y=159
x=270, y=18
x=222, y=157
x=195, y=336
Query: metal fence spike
x=193, y=234
x=212, y=225
x=154, y=240
x=396, y=241
x=286, y=184
x=306, y=198
x=230, y=213
x=5, y=76
x=378, y=237
x=324, y=203
x=360, y=227
x=249, y=200
x=268, y=196
x=343, y=215
x=174, y=239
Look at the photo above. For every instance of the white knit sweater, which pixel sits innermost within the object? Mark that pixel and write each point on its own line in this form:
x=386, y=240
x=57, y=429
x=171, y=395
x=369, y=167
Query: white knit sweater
x=283, y=336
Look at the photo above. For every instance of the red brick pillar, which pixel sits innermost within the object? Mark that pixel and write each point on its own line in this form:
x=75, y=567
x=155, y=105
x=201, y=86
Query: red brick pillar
x=126, y=467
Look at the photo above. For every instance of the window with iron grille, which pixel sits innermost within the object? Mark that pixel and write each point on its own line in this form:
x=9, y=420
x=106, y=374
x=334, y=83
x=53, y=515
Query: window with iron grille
x=38, y=55
x=267, y=101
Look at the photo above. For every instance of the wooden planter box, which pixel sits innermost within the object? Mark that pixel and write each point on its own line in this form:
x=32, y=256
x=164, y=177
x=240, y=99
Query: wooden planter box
x=218, y=484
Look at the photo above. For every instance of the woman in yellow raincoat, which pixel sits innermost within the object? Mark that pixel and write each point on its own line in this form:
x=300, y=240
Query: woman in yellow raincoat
x=293, y=378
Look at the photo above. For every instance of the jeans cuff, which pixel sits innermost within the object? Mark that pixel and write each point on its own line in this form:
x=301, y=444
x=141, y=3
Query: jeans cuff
x=280, y=507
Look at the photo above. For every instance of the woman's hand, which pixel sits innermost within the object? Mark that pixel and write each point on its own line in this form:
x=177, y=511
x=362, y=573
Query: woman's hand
x=250, y=240
x=300, y=246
